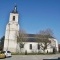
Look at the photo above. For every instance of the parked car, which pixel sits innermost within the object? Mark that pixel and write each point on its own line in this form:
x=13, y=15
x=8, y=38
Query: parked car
x=7, y=53
x=2, y=55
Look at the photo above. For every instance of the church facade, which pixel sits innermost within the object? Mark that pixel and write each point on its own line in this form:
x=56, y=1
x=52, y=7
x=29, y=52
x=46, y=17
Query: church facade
x=11, y=33
x=32, y=46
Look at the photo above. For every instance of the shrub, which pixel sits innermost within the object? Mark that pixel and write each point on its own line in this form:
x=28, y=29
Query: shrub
x=26, y=52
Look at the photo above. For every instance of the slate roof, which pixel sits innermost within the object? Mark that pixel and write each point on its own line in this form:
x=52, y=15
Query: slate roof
x=15, y=10
x=31, y=38
x=31, y=35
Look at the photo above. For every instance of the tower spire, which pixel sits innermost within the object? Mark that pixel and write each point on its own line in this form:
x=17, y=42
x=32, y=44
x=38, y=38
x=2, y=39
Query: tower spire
x=15, y=9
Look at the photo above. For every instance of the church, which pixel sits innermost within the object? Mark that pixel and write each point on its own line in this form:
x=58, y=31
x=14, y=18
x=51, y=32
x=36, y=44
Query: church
x=12, y=30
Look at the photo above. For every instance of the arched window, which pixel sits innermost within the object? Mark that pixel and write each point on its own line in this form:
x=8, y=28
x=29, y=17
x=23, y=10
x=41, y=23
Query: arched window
x=13, y=18
x=30, y=46
x=38, y=46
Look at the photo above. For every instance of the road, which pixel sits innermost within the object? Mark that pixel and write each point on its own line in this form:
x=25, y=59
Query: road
x=33, y=57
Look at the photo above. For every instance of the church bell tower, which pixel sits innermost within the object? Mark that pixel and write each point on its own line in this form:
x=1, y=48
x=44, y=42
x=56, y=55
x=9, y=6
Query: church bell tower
x=12, y=29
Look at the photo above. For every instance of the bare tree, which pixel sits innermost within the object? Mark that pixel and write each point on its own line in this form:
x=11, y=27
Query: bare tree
x=43, y=37
x=21, y=38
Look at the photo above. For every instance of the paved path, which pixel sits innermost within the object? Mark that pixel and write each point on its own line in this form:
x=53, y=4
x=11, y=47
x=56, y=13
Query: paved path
x=32, y=57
